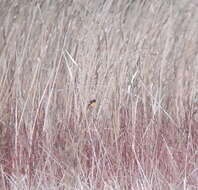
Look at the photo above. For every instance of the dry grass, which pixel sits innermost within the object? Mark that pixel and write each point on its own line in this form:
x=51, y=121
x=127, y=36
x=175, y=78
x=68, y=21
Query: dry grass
x=138, y=59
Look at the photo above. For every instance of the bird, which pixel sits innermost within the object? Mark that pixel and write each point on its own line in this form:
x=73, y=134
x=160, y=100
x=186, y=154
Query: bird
x=92, y=103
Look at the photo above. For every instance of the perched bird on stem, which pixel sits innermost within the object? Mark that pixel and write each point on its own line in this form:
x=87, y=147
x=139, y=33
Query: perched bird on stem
x=91, y=104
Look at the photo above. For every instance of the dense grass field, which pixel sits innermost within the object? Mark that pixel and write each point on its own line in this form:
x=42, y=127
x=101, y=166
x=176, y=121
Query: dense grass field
x=137, y=58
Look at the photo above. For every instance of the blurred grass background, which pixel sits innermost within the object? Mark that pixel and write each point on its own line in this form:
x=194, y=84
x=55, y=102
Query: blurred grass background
x=137, y=58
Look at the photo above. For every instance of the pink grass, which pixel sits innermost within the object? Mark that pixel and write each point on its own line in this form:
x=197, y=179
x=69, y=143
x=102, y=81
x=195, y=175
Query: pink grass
x=138, y=60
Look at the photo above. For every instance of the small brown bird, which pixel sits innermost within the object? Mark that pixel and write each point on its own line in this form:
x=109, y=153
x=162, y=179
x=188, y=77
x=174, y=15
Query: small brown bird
x=92, y=103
